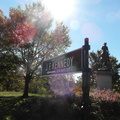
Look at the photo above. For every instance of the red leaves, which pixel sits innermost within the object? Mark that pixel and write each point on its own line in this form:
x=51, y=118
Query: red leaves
x=104, y=95
x=23, y=33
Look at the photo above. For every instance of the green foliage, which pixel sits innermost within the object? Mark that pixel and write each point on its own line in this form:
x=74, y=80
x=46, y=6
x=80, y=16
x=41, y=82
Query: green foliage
x=113, y=65
x=39, y=86
x=9, y=78
x=95, y=63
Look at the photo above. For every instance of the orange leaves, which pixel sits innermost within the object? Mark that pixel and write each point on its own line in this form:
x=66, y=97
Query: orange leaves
x=17, y=29
x=2, y=20
x=17, y=14
x=23, y=33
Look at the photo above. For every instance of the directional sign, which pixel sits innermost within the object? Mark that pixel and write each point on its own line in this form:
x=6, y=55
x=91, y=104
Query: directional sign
x=66, y=63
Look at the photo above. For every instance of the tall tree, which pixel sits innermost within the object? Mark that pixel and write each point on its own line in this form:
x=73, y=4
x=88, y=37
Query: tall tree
x=34, y=37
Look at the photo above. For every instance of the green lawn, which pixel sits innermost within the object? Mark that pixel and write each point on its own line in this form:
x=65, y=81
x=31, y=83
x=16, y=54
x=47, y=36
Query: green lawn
x=18, y=94
x=10, y=93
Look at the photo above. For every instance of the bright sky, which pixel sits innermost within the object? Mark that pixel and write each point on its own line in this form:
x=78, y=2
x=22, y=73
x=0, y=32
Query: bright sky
x=99, y=20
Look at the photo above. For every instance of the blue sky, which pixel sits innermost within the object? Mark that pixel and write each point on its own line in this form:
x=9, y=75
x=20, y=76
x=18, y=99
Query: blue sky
x=99, y=20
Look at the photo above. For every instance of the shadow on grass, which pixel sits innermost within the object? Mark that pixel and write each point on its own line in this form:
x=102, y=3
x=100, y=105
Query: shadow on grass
x=37, y=108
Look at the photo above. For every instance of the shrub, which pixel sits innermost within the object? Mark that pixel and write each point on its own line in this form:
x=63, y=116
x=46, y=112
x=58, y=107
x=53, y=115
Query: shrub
x=105, y=104
x=105, y=95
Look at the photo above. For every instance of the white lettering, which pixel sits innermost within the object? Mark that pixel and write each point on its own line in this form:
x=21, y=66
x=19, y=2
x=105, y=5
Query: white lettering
x=65, y=62
x=50, y=66
x=71, y=60
x=60, y=64
x=68, y=62
x=56, y=65
x=46, y=67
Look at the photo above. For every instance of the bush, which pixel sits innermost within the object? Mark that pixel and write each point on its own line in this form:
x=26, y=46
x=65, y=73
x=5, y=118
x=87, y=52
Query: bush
x=105, y=104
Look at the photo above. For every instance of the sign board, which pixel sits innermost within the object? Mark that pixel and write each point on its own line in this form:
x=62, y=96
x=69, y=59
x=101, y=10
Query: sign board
x=66, y=63
x=75, y=61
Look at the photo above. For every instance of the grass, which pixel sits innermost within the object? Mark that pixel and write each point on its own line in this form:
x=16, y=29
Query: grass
x=10, y=93
x=18, y=94
x=14, y=107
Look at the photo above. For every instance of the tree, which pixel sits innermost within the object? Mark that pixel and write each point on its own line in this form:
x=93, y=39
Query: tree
x=95, y=64
x=8, y=67
x=34, y=38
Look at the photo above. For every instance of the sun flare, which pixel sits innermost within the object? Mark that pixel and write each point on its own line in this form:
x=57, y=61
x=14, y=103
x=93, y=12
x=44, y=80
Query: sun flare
x=60, y=9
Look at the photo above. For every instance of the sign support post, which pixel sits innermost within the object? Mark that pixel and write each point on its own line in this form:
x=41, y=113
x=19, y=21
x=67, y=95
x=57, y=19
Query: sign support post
x=85, y=79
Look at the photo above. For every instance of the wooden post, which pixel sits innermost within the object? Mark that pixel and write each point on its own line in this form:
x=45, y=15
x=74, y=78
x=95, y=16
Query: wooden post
x=85, y=79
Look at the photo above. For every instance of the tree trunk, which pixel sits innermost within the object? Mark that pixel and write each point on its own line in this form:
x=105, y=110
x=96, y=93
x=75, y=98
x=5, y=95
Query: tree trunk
x=7, y=86
x=26, y=87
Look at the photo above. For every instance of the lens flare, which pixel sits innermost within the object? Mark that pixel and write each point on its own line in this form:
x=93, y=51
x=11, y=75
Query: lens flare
x=61, y=86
